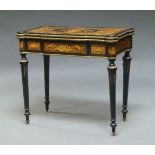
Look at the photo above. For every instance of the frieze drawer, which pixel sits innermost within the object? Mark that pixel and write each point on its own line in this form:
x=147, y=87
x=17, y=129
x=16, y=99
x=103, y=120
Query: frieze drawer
x=66, y=48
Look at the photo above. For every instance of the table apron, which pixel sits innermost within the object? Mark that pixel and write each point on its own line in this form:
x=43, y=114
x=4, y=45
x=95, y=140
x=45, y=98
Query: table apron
x=74, y=47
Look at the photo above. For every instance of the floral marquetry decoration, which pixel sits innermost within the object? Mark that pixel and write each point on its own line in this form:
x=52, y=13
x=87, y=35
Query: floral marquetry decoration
x=33, y=45
x=65, y=48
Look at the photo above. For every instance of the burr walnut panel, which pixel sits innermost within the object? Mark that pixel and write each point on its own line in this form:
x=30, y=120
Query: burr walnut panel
x=21, y=45
x=121, y=45
x=68, y=48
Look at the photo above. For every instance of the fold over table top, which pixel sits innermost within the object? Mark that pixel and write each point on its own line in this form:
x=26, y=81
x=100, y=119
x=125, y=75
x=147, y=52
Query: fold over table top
x=101, y=34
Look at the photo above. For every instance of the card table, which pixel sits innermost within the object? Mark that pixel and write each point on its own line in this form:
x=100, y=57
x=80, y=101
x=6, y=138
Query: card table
x=105, y=42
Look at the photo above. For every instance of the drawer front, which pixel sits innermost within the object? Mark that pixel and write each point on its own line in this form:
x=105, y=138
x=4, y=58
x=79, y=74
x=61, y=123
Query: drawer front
x=66, y=48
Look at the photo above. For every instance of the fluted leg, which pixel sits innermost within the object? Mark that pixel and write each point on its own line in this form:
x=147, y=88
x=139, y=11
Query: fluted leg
x=46, y=80
x=126, y=72
x=24, y=71
x=112, y=88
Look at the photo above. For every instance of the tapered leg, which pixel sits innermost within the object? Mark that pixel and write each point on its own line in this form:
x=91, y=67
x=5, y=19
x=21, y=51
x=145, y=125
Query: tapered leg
x=24, y=71
x=112, y=88
x=46, y=80
x=126, y=72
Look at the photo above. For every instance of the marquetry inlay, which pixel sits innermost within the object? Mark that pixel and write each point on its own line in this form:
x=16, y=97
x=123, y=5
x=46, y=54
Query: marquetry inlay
x=98, y=49
x=64, y=48
x=77, y=30
x=33, y=45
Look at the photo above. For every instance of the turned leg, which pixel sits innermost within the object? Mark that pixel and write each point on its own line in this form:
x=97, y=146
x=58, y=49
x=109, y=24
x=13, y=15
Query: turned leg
x=112, y=88
x=46, y=80
x=24, y=71
x=126, y=72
